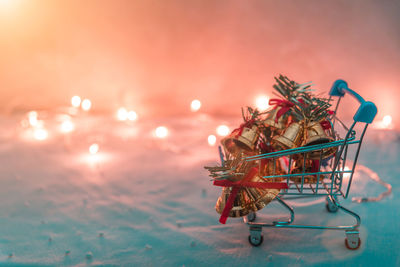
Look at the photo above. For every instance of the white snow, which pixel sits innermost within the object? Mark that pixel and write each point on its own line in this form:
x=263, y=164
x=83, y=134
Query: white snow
x=143, y=201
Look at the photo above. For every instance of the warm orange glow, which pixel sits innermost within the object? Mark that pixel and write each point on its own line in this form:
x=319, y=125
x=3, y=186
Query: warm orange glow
x=94, y=148
x=7, y=4
x=94, y=161
x=67, y=126
x=76, y=101
x=262, y=102
x=212, y=139
x=86, y=104
x=161, y=132
x=40, y=134
x=195, y=105
x=222, y=130
x=68, y=63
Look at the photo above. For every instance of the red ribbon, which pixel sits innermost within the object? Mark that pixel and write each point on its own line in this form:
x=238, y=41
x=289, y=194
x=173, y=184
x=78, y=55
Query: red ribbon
x=252, y=184
x=326, y=125
x=284, y=104
x=314, y=166
x=243, y=183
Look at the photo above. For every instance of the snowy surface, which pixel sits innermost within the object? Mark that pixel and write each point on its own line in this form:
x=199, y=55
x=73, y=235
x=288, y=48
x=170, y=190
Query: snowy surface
x=143, y=201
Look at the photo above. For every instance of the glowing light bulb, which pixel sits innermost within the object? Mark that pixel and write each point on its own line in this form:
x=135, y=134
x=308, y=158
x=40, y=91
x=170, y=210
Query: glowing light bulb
x=86, y=104
x=262, y=102
x=67, y=126
x=76, y=101
x=346, y=175
x=132, y=115
x=122, y=114
x=40, y=134
x=195, y=105
x=387, y=121
x=33, y=118
x=212, y=139
x=161, y=132
x=94, y=148
x=222, y=130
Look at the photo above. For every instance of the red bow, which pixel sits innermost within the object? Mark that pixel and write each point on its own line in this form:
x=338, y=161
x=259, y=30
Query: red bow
x=326, y=125
x=284, y=104
x=245, y=182
x=247, y=124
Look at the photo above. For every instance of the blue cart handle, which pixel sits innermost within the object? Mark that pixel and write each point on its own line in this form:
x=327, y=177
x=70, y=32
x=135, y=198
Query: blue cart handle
x=367, y=110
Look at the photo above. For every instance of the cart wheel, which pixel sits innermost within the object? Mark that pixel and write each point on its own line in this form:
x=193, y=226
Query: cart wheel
x=252, y=217
x=256, y=241
x=352, y=245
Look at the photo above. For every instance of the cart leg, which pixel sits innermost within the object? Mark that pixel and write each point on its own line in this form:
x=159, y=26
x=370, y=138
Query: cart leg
x=251, y=217
x=352, y=240
x=331, y=205
x=255, y=237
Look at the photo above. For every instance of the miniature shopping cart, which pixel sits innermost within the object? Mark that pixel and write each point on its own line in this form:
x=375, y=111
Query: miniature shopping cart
x=332, y=177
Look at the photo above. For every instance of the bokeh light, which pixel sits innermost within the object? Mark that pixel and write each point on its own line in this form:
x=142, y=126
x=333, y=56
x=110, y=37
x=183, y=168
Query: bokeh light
x=76, y=101
x=387, y=121
x=346, y=175
x=122, y=114
x=262, y=102
x=86, y=104
x=94, y=148
x=40, y=134
x=212, y=139
x=132, y=115
x=67, y=126
x=33, y=118
x=161, y=132
x=222, y=130
x=195, y=105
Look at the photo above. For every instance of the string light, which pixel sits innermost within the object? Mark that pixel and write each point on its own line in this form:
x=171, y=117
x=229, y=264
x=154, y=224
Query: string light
x=222, y=130
x=161, y=132
x=122, y=114
x=76, y=101
x=195, y=105
x=67, y=126
x=86, y=104
x=94, y=148
x=387, y=121
x=40, y=134
x=132, y=115
x=212, y=139
x=33, y=118
x=346, y=175
x=262, y=102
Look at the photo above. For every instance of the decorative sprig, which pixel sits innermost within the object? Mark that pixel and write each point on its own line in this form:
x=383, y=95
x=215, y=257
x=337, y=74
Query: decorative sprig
x=309, y=107
x=288, y=88
x=235, y=167
x=252, y=114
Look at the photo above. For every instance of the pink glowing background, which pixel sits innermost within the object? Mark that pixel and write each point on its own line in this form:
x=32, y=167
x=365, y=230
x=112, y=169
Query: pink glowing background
x=157, y=56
